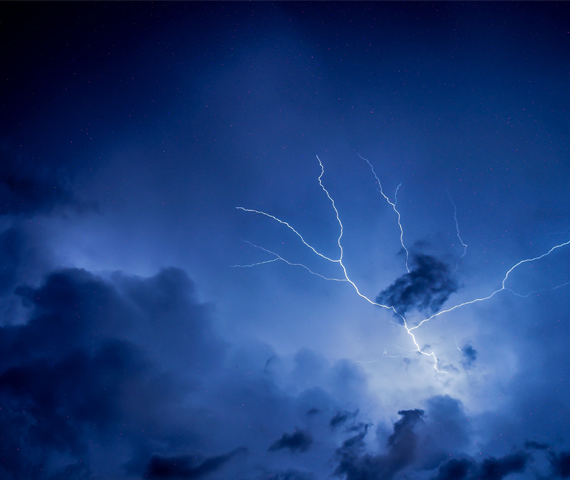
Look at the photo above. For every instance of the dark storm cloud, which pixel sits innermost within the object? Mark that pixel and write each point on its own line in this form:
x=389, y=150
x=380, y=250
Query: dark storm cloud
x=403, y=435
x=426, y=288
x=497, y=468
x=489, y=469
x=289, y=474
x=299, y=441
x=455, y=469
x=536, y=445
x=75, y=471
x=294, y=475
x=21, y=256
x=81, y=387
x=83, y=367
x=447, y=431
x=29, y=187
x=420, y=441
x=188, y=467
x=341, y=417
x=11, y=252
x=401, y=448
x=180, y=326
x=560, y=463
x=469, y=356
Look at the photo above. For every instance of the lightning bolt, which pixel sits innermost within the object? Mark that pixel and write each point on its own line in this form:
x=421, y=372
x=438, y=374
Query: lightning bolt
x=280, y=258
x=458, y=235
x=346, y=277
x=393, y=205
x=503, y=286
x=339, y=260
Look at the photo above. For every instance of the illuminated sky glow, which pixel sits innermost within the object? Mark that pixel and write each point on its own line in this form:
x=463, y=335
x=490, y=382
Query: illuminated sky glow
x=286, y=241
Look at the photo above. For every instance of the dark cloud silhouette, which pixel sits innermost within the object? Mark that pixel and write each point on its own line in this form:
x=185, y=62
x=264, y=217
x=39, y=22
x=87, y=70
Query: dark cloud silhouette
x=28, y=187
x=21, y=256
x=75, y=471
x=426, y=288
x=288, y=474
x=401, y=447
x=560, y=463
x=83, y=368
x=12, y=245
x=299, y=441
x=404, y=429
x=498, y=468
x=536, y=445
x=455, y=469
x=188, y=466
x=342, y=417
x=447, y=431
x=489, y=469
x=469, y=356
x=339, y=419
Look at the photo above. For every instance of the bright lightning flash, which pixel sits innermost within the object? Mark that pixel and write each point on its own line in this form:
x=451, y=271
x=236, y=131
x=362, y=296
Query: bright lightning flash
x=346, y=278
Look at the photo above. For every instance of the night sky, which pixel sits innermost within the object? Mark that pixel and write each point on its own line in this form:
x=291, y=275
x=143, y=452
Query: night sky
x=151, y=329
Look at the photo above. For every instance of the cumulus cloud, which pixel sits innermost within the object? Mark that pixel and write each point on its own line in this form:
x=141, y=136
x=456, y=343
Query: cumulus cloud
x=134, y=365
x=82, y=368
x=430, y=443
x=425, y=288
x=100, y=360
x=355, y=464
x=447, y=431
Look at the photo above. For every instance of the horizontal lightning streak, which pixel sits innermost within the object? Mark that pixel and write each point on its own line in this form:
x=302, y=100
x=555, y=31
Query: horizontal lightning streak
x=503, y=287
x=536, y=291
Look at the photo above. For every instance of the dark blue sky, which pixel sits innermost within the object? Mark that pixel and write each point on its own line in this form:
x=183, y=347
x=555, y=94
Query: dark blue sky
x=139, y=340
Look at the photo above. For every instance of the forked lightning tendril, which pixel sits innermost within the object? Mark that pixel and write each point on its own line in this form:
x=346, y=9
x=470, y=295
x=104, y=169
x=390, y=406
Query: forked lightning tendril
x=346, y=278
x=393, y=207
x=458, y=235
x=280, y=258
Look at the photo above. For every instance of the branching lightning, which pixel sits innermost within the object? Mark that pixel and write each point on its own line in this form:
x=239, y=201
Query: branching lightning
x=280, y=258
x=458, y=235
x=503, y=287
x=346, y=278
x=393, y=205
